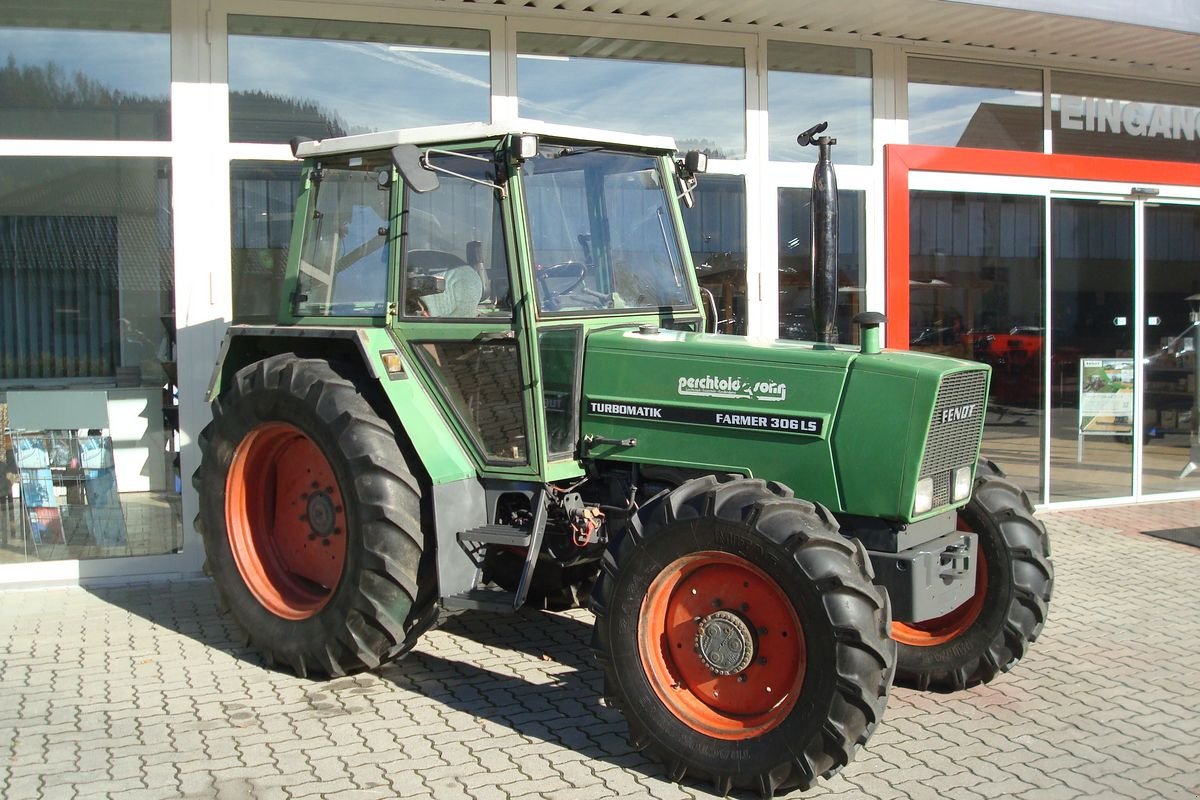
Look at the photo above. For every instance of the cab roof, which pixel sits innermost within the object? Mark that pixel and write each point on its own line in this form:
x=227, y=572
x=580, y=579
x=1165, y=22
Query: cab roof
x=468, y=131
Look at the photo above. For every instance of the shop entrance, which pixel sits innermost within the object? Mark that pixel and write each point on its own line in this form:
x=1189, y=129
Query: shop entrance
x=1082, y=293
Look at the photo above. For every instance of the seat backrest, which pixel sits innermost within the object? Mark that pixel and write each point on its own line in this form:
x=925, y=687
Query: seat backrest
x=464, y=290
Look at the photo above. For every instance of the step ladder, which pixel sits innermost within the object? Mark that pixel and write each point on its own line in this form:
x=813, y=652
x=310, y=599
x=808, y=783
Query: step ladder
x=496, y=599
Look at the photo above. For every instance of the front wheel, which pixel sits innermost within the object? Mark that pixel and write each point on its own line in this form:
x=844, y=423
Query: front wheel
x=990, y=632
x=741, y=636
x=311, y=520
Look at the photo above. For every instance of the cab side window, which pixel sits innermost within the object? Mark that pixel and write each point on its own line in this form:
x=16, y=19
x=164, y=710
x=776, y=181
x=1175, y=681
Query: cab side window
x=455, y=264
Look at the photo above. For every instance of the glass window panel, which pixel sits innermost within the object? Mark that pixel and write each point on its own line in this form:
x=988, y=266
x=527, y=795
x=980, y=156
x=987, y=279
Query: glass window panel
x=483, y=383
x=1172, y=331
x=455, y=259
x=811, y=83
x=87, y=349
x=344, y=257
x=263, y=202
x=716, y=232
x=695, y=93
x=965, y=104
x=795, y=263
x=320, y=78
x=977, y=291
x=1095, y=115
x=79, y=70
x=1092, y=338
x=601, y=231
x=559, y=352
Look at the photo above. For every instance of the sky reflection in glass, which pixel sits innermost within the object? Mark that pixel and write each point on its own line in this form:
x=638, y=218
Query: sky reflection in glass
x=318, y=78
x=692, y=92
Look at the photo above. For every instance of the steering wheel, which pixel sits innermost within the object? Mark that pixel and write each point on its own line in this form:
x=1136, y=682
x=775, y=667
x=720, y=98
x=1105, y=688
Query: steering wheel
x=544, y=277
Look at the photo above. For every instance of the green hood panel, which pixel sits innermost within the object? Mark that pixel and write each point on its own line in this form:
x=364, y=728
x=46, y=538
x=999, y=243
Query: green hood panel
x=820, y=419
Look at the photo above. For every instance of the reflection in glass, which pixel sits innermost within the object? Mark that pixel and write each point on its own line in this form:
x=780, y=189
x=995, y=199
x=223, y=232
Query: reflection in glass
x=695, y=93
x=1092, y=369
x=809, y=83
x=482, y=381
x=716, y=232
x=795, y=263
x=87, y=323
x=965, y=104
x=263, y=201
x=1121, y=118
x=320, y=78
x=977, y=291
x=77, y=70
x=1172, y=333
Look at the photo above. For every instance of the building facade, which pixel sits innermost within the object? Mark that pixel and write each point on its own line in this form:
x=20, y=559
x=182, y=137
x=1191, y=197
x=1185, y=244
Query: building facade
x=1017, y=187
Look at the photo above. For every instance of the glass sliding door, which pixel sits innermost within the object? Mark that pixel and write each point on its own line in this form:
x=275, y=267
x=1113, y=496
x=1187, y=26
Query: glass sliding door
x=1171, y=333
x=1092, y=369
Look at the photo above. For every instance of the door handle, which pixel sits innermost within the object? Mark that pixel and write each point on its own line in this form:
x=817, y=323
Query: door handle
x=1120, y=322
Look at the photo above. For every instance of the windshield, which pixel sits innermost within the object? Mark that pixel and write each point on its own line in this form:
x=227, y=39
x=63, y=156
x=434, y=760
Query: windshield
x=602, y=232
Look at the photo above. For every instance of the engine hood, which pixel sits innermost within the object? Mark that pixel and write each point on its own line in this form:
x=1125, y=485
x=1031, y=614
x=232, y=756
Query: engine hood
x=826, y=420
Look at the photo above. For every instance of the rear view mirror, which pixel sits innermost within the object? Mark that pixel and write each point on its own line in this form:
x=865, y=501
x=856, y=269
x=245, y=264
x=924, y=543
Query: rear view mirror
x=414, y=173
x=686, y=169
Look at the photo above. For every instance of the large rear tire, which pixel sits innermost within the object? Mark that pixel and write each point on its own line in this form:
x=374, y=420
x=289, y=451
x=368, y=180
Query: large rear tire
x=310, y=516
x=742, y=637
x=989, y=633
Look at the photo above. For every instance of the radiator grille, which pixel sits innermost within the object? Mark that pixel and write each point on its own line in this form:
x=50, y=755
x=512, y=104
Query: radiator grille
x=955, y=429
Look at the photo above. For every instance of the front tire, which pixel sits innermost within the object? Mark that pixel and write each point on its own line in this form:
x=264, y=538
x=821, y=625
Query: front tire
x=310, y=517
x=742, y=637
x=992, y=630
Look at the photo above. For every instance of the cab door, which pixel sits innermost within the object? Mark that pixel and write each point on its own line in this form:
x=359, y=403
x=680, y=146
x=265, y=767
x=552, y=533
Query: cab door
x=457, y=314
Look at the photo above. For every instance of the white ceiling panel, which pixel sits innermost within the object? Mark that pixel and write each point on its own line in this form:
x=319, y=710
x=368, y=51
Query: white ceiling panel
x=1016, y=32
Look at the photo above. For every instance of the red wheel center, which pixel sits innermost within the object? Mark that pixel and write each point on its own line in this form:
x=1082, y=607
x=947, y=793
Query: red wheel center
x=286, y=520
x=721, y=645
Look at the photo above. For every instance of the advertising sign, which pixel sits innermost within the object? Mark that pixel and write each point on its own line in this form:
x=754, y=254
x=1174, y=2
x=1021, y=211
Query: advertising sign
x=1106, y=395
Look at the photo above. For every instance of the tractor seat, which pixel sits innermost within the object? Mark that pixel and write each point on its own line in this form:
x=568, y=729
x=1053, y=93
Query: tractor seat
x=464, y=290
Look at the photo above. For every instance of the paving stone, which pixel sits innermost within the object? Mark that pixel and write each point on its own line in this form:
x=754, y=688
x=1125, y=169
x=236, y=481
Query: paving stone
x=144, y=692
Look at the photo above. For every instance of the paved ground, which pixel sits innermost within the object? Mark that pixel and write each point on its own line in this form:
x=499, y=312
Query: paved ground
x=144, y=692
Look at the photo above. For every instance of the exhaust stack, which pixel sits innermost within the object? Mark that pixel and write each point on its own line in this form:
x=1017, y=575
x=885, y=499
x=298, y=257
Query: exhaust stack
x=824, y=236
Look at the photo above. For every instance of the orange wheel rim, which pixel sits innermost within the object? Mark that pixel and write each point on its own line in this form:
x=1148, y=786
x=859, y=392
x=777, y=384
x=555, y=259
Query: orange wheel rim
x=949, y=626
x=286, y=520
x=721, y=645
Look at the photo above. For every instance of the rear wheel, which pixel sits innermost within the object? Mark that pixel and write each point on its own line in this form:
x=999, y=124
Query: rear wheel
x=311, y=519
x=990, y=632
x=741, y=636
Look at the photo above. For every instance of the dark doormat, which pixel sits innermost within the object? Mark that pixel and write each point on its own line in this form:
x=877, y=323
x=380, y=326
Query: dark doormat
x=1182, y=535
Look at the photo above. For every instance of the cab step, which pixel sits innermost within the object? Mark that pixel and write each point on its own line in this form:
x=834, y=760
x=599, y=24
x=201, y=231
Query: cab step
x=496, y=534
x=495, y=600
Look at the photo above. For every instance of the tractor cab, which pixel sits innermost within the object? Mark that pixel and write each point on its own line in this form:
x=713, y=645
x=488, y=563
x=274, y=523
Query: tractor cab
x=493, y=251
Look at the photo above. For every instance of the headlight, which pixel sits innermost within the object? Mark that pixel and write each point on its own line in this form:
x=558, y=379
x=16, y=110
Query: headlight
x=962, y=484
x=924, y=498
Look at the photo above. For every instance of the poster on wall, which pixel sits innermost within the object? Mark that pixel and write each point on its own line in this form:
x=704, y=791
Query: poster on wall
x=1106, y=396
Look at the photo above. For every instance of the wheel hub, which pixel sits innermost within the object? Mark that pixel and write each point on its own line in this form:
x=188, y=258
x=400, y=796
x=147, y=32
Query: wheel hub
x=321, y=515
x=725, y=642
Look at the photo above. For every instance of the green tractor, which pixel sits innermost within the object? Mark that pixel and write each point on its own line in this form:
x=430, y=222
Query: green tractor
x=489, y=385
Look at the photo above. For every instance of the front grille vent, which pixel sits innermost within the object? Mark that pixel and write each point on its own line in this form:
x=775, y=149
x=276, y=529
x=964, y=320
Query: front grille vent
x=954, y=432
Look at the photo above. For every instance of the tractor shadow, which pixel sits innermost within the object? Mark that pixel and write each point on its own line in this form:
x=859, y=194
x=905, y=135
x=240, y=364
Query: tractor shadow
x=532, y=673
